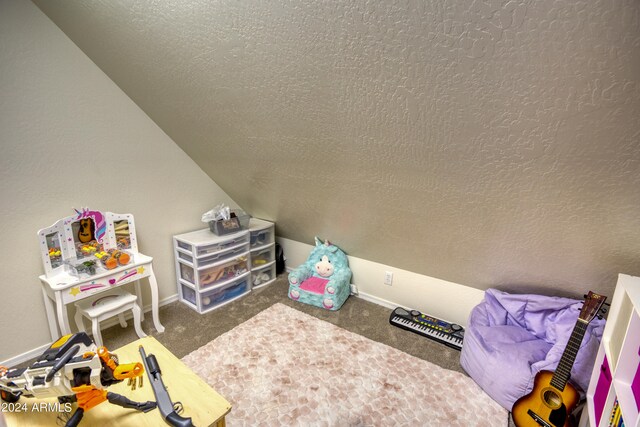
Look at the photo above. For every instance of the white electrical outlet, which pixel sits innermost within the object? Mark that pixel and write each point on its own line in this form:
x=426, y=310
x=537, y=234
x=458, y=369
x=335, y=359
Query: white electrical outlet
x=388, y=278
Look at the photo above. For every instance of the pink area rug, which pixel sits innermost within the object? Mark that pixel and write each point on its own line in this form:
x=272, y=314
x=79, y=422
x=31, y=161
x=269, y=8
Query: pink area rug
x=284, y=367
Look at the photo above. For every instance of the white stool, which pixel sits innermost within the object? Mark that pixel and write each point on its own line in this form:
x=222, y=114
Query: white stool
x=106, y=305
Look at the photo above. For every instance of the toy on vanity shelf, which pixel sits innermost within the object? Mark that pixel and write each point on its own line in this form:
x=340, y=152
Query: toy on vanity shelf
x=112, y=258
x=88, y=248
x=73, y=369
x=86, y=267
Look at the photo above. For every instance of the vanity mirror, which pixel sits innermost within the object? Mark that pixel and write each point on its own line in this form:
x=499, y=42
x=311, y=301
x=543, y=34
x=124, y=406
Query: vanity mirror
x=86, y=235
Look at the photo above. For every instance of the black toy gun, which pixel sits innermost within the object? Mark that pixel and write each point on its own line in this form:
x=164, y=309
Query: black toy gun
x=165, y=405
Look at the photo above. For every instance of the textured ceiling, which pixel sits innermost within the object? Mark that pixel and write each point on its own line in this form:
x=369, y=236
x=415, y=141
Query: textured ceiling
x=489, y=143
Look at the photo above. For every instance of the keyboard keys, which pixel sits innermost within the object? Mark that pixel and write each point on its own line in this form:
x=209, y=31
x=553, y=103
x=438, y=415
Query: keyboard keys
x=427, y=326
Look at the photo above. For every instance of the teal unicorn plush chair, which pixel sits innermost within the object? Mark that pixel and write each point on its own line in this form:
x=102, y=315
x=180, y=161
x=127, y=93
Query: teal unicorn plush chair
x=324, y=280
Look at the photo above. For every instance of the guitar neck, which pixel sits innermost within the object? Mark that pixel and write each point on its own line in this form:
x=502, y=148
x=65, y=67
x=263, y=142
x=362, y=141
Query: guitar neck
x=563, y=371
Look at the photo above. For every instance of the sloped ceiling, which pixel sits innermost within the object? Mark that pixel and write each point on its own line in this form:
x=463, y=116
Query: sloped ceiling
x=486, y=143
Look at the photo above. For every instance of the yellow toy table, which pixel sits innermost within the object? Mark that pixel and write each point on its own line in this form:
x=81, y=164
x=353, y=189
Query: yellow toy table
x=201, y=403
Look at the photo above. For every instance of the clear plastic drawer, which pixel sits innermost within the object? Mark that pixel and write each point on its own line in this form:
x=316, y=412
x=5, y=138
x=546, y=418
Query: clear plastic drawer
x=219, y=246
x=261, y=237
x=219, y=256
x=188, y=294
x=223, y=271
x=224, y=294
x=185, y=257
x=263, y=276
x=185, y=246
x=264, y=256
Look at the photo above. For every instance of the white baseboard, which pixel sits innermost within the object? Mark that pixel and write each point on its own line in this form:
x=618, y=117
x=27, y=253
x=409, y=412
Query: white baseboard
x=445, y=300
x=32, y=354
x=374, y=299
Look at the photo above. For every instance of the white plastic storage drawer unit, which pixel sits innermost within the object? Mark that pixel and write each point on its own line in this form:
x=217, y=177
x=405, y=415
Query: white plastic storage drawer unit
x=262, y=244
x=212, y=270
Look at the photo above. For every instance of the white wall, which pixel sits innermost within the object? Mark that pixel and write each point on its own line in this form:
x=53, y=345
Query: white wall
x=488, y=143
x=69, y=137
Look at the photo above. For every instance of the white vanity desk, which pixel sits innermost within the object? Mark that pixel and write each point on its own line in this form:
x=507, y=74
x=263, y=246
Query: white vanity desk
x=60, y=246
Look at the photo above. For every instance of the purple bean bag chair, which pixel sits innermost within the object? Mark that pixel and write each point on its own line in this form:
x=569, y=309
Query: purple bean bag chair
x=510, y=338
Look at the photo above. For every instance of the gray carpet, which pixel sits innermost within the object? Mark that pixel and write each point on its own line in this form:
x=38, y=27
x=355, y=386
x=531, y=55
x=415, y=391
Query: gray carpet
x=187, y=330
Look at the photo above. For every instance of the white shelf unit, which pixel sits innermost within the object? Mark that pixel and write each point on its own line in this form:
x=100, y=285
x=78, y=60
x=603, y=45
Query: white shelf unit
x=616, y=373
x=212, y=270
x=262, y=244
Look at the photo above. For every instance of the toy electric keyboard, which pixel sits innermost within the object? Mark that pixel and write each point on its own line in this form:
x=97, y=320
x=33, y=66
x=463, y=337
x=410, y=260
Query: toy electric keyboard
x=446, y=333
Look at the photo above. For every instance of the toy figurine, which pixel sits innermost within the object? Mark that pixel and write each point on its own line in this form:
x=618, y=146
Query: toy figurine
x=74, y=370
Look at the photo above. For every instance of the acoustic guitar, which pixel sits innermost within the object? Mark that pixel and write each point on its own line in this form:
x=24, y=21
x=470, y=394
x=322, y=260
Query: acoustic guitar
x=86, y=230
x=553, y=398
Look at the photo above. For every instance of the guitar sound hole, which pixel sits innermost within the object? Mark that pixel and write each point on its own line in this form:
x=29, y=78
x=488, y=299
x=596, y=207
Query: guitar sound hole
x=552, y=399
